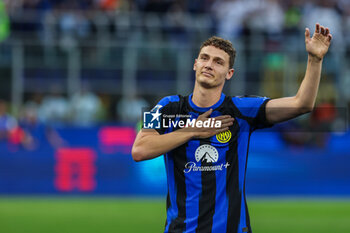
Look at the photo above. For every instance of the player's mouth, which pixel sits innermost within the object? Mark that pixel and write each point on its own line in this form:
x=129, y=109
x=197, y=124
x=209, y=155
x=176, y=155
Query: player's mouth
x=207, y=74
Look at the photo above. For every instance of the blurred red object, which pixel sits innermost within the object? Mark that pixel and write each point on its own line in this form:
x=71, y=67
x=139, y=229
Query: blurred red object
x=75, y=169
x=324, y=113
x=113, y=139
x=16, y=135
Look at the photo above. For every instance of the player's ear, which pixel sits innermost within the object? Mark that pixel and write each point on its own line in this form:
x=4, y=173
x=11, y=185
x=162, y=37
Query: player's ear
x=230, y=74
x=195, y=63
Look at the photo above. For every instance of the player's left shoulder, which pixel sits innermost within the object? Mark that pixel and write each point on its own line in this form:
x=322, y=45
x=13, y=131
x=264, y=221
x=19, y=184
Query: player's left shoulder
x=249, y=100
x=249, y=105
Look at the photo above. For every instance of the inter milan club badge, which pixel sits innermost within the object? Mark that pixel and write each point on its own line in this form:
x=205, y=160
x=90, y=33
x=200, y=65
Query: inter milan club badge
x=224, y=137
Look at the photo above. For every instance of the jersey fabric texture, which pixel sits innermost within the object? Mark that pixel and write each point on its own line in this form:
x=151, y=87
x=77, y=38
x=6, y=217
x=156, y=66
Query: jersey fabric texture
x=206, y=177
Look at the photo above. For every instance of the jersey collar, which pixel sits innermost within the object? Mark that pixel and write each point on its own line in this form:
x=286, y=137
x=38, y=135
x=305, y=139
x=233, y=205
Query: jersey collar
x=199, y=109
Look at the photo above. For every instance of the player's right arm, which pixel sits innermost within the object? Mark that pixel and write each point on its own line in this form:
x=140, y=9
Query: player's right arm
x=150, y=144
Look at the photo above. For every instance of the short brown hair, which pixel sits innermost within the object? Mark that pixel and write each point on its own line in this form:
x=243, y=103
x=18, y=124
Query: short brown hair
x=222, y=44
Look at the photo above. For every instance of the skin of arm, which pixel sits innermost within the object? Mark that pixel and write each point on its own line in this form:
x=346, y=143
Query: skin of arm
x=282, y=109
x=150, y=144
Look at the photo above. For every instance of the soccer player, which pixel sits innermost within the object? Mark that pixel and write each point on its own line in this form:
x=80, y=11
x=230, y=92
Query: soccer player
x=206, y=166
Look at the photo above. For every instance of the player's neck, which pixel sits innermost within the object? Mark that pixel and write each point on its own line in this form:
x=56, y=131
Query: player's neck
x=204, y=98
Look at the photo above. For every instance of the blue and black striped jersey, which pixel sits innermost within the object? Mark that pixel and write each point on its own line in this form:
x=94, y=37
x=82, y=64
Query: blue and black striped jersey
x=206, y=177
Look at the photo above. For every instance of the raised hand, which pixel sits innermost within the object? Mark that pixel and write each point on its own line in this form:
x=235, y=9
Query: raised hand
x=317, y=46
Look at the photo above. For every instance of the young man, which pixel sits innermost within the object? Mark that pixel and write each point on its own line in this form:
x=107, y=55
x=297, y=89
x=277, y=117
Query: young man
x=206, y=166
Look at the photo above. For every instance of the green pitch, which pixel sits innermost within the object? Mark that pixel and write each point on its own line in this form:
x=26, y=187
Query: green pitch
x=113, y=215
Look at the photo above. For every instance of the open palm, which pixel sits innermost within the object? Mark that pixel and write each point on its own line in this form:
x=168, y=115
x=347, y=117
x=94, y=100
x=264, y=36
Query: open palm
x=317, y=46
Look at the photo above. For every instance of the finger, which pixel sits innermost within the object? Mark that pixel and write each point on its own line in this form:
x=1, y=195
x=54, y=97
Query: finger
x=307, y=33
x=323, y=31
x=330, y=37
x=317, y=29
x=228, y=124
x=227, y=120
x=221, y=130
x=222, y=117
x=327, y=31
x=207, y=113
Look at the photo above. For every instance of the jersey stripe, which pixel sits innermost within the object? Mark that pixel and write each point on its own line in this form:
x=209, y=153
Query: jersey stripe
x=221, y=199
x=232, y=187
x=178, y=224
x=207, y=199
x=245, y=200
x=247, y=216
x=172, y=210
x=168, y=205
x=193, y=188
x=242, y=160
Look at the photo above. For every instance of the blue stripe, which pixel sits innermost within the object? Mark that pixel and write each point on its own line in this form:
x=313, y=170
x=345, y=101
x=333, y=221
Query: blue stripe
x=248, y=106
x=166, y=100
x=242, y=159
x=199, y=109
x=221, y=199
x=193, y=189
x=215, y=114
x=172, y=212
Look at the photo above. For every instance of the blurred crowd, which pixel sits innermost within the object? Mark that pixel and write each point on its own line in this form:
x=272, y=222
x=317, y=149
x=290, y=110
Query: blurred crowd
x=84, y=109
x=275, y=20
x=41, y=116
x=228, y=18
x=191, y=6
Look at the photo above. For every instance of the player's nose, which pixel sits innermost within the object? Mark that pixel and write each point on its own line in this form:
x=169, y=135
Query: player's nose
x=209, y=65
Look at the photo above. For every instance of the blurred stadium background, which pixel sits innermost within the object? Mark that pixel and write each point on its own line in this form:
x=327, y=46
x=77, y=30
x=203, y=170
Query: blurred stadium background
x=74, y=75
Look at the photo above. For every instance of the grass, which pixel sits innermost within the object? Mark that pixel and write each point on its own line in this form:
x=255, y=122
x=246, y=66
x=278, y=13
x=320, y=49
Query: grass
x=107, y=215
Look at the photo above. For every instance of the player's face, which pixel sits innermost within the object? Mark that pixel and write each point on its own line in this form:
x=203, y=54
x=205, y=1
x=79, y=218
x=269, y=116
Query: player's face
x=212, y=67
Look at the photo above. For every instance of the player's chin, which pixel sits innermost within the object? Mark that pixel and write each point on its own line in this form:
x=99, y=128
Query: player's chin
x=206, y=83
x=206, y=78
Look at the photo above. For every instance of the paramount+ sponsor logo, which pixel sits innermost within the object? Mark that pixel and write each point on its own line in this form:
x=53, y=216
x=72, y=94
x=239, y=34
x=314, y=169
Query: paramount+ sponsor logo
x=208, y=155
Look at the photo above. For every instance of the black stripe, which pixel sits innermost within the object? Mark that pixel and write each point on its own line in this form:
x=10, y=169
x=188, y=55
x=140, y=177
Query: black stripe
x=262, y=113
x=178, y=224
x=168, y=204
x=207, y=199
x=232, y=184
x=247, y=216
x=245, y=201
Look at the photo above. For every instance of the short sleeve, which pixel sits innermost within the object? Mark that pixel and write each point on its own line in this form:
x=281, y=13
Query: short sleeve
x=253, y=109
